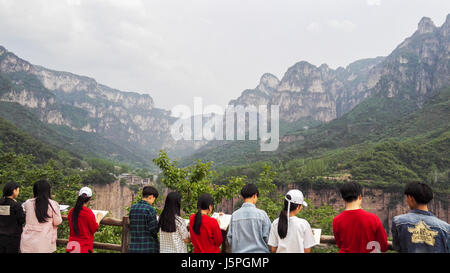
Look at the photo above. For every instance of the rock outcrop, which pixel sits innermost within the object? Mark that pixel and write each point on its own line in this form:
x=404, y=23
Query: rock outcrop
x=114, y=198
x=414, y=70
x=128, y=119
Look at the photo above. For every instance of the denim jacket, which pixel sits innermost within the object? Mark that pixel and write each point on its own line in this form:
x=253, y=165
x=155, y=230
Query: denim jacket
x=420, y=232
x=249, y=230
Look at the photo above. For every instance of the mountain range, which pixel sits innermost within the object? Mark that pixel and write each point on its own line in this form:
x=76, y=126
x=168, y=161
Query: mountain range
x=320, y=107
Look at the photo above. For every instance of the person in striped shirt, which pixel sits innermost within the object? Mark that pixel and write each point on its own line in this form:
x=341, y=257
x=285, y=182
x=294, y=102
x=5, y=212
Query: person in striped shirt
x=173, y=231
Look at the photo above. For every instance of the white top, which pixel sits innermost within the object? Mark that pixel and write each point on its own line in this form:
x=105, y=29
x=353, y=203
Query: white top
x=299, y=236
x=173, y=242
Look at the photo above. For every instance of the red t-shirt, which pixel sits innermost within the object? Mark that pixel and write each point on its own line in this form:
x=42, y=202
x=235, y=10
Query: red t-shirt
x=355, y=229
x=87, y=226
x=210, y=237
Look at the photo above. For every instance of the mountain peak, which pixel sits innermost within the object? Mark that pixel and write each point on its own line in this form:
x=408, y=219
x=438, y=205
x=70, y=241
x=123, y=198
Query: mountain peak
x=302, y=64
x=324, y=67
x=268, y=83
x=2, y=50
x=447, y=21
x=268, y=78
x=426, y=25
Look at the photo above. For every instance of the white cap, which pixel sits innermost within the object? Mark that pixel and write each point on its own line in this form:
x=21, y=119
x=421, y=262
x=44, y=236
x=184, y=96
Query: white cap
x=85, y=190
x=296, y=197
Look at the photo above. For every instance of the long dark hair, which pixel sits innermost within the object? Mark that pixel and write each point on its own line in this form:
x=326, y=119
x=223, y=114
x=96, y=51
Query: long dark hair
x=172, y=207
x=41, y=191
x=204, y=201
x=82, y=199
x=283, y=219
x=8, y=190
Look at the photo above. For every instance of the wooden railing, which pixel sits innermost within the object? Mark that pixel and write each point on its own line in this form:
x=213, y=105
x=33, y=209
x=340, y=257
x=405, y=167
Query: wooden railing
x=123, y=247
x=329, y=240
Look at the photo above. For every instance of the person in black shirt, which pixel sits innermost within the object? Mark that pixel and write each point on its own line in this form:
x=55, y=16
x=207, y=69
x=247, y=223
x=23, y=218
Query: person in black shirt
x=12, y=218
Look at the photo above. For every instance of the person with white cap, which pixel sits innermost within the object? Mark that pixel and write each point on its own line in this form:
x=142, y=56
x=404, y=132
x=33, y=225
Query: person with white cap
x=290, y=234
x=83, y=224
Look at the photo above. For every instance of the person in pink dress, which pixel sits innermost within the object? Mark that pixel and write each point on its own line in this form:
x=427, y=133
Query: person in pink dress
x=42, y=217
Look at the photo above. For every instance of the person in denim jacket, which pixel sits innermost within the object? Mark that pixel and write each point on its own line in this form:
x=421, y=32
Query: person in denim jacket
x=249, y=226
x=419, y=231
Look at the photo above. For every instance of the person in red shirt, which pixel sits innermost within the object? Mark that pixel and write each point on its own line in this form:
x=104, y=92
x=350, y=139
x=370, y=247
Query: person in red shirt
x=205, y=232
x=83, y=224
x=356, y=230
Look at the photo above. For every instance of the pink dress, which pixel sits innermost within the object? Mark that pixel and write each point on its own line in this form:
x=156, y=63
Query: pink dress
x=40, y=237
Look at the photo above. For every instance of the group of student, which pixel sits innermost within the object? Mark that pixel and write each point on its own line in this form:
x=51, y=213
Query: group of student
x=42, y=216
x=31, y=227
x=251, y=231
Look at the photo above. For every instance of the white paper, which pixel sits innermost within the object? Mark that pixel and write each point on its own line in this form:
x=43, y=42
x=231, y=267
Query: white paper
x=63, y=207
x=317, y=232
x=103, y=212
x=224, y=220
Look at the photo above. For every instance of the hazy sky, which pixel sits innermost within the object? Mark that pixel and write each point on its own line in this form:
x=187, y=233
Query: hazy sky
x=177, y=49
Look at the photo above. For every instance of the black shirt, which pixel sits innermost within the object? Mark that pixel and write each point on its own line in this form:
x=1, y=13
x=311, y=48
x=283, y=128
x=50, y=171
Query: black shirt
x=12, y=217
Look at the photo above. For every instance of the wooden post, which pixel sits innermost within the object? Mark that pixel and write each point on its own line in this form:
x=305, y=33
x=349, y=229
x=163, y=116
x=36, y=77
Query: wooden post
x=125, y=229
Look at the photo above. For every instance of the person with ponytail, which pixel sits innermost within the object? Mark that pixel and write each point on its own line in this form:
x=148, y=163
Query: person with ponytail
x=82, y=223
x=290, y=234
x=42, y=217
x=205, y=232
x=12, y=219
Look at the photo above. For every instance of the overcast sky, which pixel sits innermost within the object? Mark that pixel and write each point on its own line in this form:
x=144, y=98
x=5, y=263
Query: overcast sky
x=214, y=49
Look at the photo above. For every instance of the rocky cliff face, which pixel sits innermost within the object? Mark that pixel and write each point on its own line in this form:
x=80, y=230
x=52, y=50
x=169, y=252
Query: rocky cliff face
x=414, y=70
x=419, y=66
x=309, y=91
x=113, y=198
x=127, y=119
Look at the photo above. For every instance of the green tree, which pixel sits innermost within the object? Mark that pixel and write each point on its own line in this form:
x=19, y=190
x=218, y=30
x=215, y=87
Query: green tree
x=319, y=217
x=270, y=199
x=21, y=169
x=194, y=180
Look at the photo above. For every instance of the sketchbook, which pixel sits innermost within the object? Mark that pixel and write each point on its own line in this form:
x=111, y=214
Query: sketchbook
x=63, y=207
x=224, y=220
x=103, y=212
